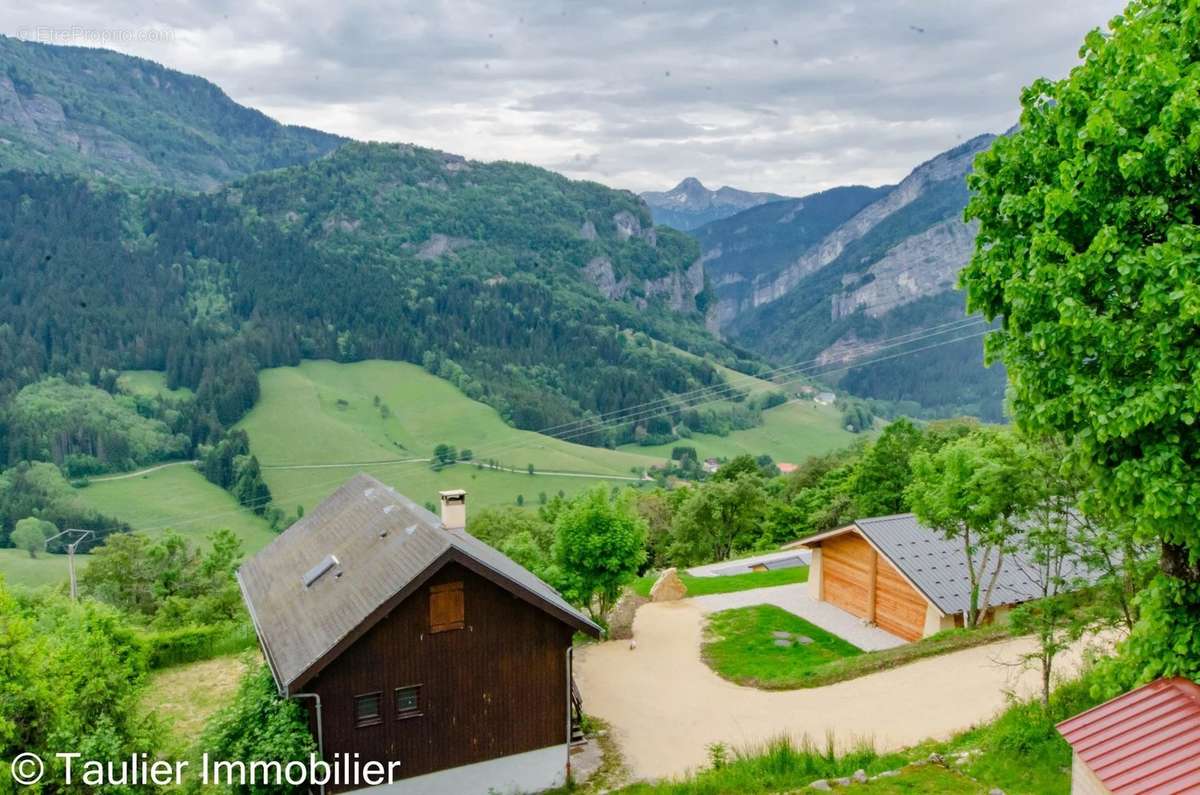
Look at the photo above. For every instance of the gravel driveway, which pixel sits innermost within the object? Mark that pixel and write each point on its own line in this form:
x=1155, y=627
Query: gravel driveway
x=665, y=705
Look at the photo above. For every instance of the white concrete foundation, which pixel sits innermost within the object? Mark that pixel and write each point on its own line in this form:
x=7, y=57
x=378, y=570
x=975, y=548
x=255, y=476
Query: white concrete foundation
x=532, y=771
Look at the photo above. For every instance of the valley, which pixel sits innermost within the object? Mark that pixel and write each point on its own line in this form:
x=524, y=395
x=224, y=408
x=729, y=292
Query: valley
x=317, y=424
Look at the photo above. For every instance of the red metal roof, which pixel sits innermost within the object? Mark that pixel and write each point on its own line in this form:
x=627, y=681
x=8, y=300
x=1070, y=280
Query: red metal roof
x=1146, y=741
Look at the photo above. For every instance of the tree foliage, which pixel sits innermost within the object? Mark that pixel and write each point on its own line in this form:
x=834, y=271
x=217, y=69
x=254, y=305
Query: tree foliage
x=1088, y=250
x=259, y=725
x=600, y=542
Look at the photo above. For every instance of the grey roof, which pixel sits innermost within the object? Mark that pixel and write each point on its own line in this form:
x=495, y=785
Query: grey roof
x=938, y=567
x=381, y=541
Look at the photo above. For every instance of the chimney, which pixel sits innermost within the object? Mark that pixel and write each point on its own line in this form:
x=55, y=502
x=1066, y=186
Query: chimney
x=454, y=509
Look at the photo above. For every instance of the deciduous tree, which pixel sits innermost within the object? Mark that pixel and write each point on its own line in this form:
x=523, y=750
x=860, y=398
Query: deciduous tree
x=1089, y=249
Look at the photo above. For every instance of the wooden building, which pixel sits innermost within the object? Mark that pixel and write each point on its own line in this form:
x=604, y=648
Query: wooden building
x=1145, y=741
x=905, y=578
x=411, y=641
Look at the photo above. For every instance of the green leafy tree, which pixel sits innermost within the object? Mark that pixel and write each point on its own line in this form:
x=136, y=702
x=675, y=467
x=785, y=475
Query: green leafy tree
x=259, y=725
x=716, y=518
x=972, y=491
x=600, y=543
x=249, y=488
x=70, y=678
x=443, y=456
x=30, y=534
x=1087, y=250
x=735, y=467
x=884, y=471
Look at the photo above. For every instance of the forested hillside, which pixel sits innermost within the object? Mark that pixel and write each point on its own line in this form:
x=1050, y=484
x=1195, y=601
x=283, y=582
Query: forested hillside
x=99, y=113
x=838, y=276
x=516, y=284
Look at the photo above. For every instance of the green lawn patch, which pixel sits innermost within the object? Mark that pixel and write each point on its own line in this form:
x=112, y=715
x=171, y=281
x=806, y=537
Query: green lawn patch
x=739, y=646
x=746, y=645
x=18, y=569
x=704, y=586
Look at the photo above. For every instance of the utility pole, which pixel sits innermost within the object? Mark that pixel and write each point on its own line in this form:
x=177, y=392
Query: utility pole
x=71, y=547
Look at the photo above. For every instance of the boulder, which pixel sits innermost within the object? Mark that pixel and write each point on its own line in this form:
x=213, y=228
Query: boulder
x=821, y=784
x=860, y=776
x=668, y=587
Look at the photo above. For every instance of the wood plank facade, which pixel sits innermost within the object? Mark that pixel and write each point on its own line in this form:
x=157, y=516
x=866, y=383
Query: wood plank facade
x=856, y=578
x=490, y=672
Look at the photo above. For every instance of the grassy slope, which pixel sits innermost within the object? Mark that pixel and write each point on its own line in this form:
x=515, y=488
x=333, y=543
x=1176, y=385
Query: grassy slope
x=739, y=646
x=178, y=498
x=791, y=432
x=183, y=698
x=17, y=568
x=703, y=586
x=298, y=420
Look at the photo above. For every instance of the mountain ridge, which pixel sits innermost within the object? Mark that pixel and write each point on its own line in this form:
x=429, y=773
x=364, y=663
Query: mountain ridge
x=104, y=114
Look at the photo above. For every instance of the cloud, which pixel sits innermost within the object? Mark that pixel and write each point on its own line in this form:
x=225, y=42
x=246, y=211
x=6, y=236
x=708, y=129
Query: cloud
x=775, y=95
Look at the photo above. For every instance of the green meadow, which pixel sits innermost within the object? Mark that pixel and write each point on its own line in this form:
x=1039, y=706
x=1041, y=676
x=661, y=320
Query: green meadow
x=318, y=424
x=790, y=432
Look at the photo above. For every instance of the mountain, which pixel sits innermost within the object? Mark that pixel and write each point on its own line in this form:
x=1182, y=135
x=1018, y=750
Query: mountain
x=103, y=114
x=524, y=288
x=689, y=204
x=866, y=266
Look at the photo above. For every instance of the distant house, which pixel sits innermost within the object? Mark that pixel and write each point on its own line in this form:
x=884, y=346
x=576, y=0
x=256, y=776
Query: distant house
x=1147, y=740
x=711, y=465
x=825, y=398
x=409, y=640
x=904, y=577
x=785, y=468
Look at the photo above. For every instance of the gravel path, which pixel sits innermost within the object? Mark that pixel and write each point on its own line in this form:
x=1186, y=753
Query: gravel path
x=795, y=599
x=665, y=705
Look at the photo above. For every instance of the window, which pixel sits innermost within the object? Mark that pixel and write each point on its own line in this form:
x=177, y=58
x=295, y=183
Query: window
x=408, y=702
x=368, y=709
x=446, y=607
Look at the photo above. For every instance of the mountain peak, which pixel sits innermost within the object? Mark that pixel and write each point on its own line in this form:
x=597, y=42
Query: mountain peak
x=690, y=204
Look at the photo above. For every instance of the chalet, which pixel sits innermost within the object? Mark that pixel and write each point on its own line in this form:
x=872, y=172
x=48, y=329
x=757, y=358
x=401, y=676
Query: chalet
x=409, y=640
x=905, y=578
x=1147, y=740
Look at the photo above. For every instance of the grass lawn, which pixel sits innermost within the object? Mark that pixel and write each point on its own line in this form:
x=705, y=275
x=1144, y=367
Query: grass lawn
x=703, y=586
x=18, y=569
x=186, y=696
x=324, y=413
x=178, y=498
x=740, y=645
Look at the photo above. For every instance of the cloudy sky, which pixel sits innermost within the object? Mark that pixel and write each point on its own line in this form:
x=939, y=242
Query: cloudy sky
x=782, y=95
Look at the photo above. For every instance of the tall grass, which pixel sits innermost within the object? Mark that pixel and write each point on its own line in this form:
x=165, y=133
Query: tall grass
x=774, y=766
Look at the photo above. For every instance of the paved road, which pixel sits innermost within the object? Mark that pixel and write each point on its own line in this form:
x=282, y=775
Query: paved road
x=795, y=599
x=665, y=705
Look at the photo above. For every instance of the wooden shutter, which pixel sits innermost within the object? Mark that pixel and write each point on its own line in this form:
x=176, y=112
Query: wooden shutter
x=446, y=607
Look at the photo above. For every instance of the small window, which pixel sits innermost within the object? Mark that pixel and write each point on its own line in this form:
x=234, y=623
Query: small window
x=446, y=607
x=368, y=709
x=408, y=701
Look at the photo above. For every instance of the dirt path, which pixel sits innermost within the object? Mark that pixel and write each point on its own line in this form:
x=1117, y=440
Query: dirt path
x=141, y=472
x=665, y=705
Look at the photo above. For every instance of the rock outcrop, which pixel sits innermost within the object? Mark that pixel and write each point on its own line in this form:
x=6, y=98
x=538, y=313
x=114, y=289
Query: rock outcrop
x=668, y=587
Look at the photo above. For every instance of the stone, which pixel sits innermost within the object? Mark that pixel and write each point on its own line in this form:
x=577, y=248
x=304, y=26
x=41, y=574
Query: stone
x=887, y=774
x=860, y=776
x=804, y=640
x=995, y=791
x=842, y=782
x=820, y=784
x=668, y=587
x=936, y=759
x=786, y=644
x=782, y=635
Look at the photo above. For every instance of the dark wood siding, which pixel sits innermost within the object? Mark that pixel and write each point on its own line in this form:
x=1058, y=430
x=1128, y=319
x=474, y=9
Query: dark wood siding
x=496, y=687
